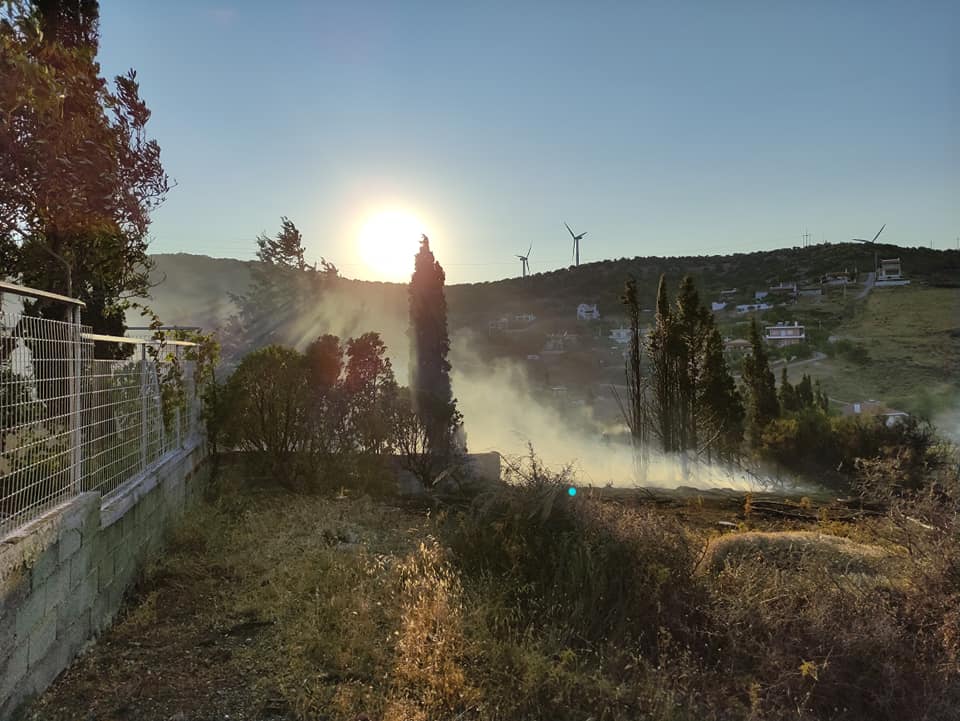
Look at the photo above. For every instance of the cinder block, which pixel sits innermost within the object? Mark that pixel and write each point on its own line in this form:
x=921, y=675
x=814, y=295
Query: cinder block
x=75, y=635
x=57, y=588
x=46, y=563
x=105, y=571
x=81, y=598
x=42, y=637
x=70, y=542
x=81, y=563
x=13, y=667
x=30, y=613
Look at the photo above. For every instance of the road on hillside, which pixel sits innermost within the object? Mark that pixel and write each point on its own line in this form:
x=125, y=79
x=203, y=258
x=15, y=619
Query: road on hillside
x=867, y=285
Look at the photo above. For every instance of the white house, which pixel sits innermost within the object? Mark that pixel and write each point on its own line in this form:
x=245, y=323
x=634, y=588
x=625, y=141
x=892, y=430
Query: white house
x=524, y=318
x=889, y=272
x=588, y=312
x=621, y=335
x=751, y=307
x=715, y=306
x=875, y=408
x=783, y=334
x=760, y=294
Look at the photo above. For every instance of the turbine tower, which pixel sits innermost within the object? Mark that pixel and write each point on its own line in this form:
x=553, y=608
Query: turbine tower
x=576, y=243
x=525, y=259
x=861, y=240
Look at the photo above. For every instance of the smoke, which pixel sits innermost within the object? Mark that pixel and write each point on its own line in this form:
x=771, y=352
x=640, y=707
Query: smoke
x=504, y=412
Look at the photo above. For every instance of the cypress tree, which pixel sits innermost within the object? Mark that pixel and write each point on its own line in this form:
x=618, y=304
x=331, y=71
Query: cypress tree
x=789, y=398
x=431, y=392
x=762, y=406
x=720, y=408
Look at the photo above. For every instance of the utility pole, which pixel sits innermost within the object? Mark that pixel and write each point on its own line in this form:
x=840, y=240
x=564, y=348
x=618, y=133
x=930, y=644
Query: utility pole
x=806, y=238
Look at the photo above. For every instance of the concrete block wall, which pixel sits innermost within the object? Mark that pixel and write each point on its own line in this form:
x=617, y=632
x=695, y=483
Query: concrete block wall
x=63, y=577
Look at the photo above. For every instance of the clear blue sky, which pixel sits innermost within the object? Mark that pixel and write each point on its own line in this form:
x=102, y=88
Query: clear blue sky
x=660, y=128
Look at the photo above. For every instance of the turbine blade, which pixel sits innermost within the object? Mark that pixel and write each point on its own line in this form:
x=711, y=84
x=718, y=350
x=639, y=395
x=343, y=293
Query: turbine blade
x=529, y=249
x=568, y=230
x=878, y=233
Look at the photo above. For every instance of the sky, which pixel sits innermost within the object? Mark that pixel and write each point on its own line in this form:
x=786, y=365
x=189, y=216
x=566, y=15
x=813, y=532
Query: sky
x=660, y=128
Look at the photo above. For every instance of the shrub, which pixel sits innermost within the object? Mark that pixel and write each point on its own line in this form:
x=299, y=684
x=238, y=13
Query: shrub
x=595, y=571
x=265, y=410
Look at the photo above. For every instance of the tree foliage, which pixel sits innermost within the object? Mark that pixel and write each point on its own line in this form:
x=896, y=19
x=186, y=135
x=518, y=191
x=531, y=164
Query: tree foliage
x=80, y=176
x=431, y=392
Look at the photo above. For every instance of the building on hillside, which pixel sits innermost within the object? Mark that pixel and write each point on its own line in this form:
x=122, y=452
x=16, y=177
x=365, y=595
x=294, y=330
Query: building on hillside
x=736, y=345
x=836, y=277
x=890, y=272
x=499, y=325
x=810, y=290
x=889, y=269
x=558, y=343
x=784, y=290
x=728, y=293
x=874, y=408
x=715, y=306
x=760, y=294
x=588, y=312
x=783, y=334
x=524, y=318
x=753, y=307
x=621, y=335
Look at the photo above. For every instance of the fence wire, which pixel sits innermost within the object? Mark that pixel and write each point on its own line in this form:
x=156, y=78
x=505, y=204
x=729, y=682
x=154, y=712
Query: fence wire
x=71, y=423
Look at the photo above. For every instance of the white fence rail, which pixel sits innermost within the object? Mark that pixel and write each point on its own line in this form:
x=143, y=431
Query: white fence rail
x=70, y=422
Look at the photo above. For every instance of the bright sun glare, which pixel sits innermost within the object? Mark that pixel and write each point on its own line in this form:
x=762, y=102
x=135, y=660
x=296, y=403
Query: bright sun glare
x=388, y=242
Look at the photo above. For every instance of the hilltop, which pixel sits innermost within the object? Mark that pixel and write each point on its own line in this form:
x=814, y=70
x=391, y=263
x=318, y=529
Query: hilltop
x=898, y=345
x=196, y=288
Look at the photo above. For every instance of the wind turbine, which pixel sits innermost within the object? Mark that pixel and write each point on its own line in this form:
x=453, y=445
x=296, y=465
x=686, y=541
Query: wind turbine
x=576, y=242
x=861, y=240
x=525, y=259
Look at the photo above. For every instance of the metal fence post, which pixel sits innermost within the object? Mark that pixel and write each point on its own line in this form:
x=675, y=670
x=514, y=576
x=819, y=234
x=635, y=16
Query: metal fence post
x=76, y=439
x=143, y=407
x=176, y=351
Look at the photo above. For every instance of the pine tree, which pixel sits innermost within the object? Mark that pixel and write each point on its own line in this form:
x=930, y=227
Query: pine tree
x=762, y=405
x=431, y=392
x=805, y=397
x=285, y=250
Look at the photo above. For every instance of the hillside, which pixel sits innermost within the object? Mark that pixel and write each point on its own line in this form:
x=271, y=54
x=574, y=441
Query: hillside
x=908, y=339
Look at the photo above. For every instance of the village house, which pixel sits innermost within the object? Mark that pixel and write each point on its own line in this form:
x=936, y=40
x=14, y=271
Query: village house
x=588, y=312
x=736, y=345
x=728, y=293
x=788, y=290
x=621, y=335
x=760, y=294
x=783, y=334
x=499, y=325
x=752, y=307
x=524, y=318
x=715, y=306
x=889, y=272
x=836, y=278
x=875, y=408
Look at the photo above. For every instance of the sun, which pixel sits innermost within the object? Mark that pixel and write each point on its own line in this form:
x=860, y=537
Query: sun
x=388, y=241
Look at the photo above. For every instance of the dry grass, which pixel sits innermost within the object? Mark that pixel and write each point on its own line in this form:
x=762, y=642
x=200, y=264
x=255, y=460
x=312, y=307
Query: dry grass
x=271, y=605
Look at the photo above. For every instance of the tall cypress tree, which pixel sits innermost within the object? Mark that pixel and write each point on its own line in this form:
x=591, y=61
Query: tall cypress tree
x=430, y=387
x=634, y=410
x=763, y=405
x=720, y=408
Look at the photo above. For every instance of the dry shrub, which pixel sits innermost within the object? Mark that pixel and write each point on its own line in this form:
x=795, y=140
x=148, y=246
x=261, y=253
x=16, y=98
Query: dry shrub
x=793, y=549
x=840, y=631
x=428, y=678
x=598, y=571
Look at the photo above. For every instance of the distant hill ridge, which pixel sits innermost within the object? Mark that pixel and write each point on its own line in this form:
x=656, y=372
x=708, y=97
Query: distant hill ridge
x=197, y=288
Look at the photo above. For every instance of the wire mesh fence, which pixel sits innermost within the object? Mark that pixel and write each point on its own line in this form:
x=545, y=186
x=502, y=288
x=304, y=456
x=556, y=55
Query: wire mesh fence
x=70, y=422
